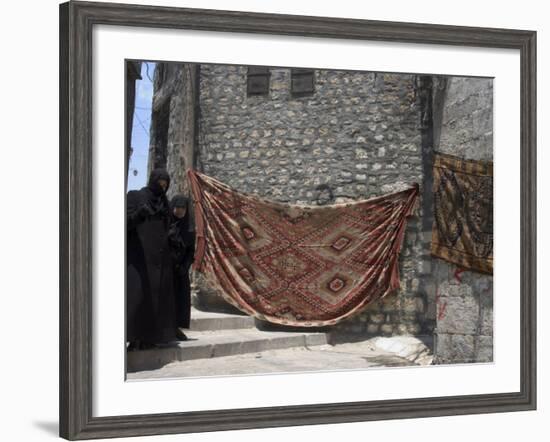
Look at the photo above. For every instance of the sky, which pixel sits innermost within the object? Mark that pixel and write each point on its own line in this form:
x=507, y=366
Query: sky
x=137, y=173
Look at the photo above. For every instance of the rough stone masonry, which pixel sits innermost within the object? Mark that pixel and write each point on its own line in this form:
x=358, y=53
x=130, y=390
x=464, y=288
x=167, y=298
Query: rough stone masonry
x=356, y=135
x=464, y=301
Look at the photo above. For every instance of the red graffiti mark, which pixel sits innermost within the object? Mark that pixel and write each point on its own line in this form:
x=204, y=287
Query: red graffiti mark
x=458, y=272
x=442, y=309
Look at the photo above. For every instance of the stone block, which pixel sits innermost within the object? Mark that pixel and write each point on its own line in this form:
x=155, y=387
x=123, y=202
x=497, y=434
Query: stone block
x=424, y=267
x=390, y=304
x=409, y=305
x=454, y=349
x=377, y=318
x=415, y=284
x=316, y=339
x=373, y=329
x=458, y=315
x=484, y=349
x=429, y=288
x=443, y=349
x=463, y=349
x=486, y=325
x=482, y=122
x=453, y=288
x=402, y=329
x=413, y=329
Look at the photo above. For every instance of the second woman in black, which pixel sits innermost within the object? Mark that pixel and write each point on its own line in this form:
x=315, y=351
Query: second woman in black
x=181, y=238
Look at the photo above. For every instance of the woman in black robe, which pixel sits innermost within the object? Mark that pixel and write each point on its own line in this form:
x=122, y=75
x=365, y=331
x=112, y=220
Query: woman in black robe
x=150, y=317
x=182, y=244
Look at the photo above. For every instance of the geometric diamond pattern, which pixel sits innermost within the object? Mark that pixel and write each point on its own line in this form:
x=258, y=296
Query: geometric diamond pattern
x=341, y=243
x=336, y=284
x=248, y=233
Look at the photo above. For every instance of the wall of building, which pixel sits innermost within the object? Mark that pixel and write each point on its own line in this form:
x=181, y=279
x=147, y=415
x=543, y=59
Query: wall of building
x=464, y=302
x=357, y=136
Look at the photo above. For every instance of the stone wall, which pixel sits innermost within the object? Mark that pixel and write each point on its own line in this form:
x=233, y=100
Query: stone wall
x=464, y=301
x=357, y=136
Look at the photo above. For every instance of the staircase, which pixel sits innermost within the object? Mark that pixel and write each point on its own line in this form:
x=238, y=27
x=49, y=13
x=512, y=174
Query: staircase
x=214, y=335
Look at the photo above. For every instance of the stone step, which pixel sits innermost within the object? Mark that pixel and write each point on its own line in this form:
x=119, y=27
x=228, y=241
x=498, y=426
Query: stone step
x=211, y=344
x=203, y=321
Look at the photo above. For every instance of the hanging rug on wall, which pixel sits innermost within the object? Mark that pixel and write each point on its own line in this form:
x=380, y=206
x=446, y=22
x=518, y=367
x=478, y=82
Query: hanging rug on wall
x=294, y=264
x=463, y=212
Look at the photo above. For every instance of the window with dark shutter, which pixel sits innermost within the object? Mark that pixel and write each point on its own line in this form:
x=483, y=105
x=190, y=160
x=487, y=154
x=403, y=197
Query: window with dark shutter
x=302, y=82
x=257, y=81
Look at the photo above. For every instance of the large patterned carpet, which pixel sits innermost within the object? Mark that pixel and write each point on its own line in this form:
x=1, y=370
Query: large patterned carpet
x=298, y=265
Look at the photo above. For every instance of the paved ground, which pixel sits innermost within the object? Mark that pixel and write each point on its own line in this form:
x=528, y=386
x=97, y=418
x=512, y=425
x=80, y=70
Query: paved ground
x=375, y=352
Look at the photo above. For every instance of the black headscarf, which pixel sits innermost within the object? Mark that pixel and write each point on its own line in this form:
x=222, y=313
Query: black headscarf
x=181, y=200
x=155, y=195
x=155, y=176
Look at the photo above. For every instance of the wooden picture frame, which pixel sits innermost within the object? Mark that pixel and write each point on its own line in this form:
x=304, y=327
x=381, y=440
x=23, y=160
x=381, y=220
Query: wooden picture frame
x=76, y=163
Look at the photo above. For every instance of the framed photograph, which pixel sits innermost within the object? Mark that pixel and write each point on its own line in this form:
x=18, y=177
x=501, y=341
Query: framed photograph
x=299, y=215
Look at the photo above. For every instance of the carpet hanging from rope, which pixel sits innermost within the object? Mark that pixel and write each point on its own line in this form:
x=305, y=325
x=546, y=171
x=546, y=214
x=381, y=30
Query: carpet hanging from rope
x=298, y=265
x=463, y=212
